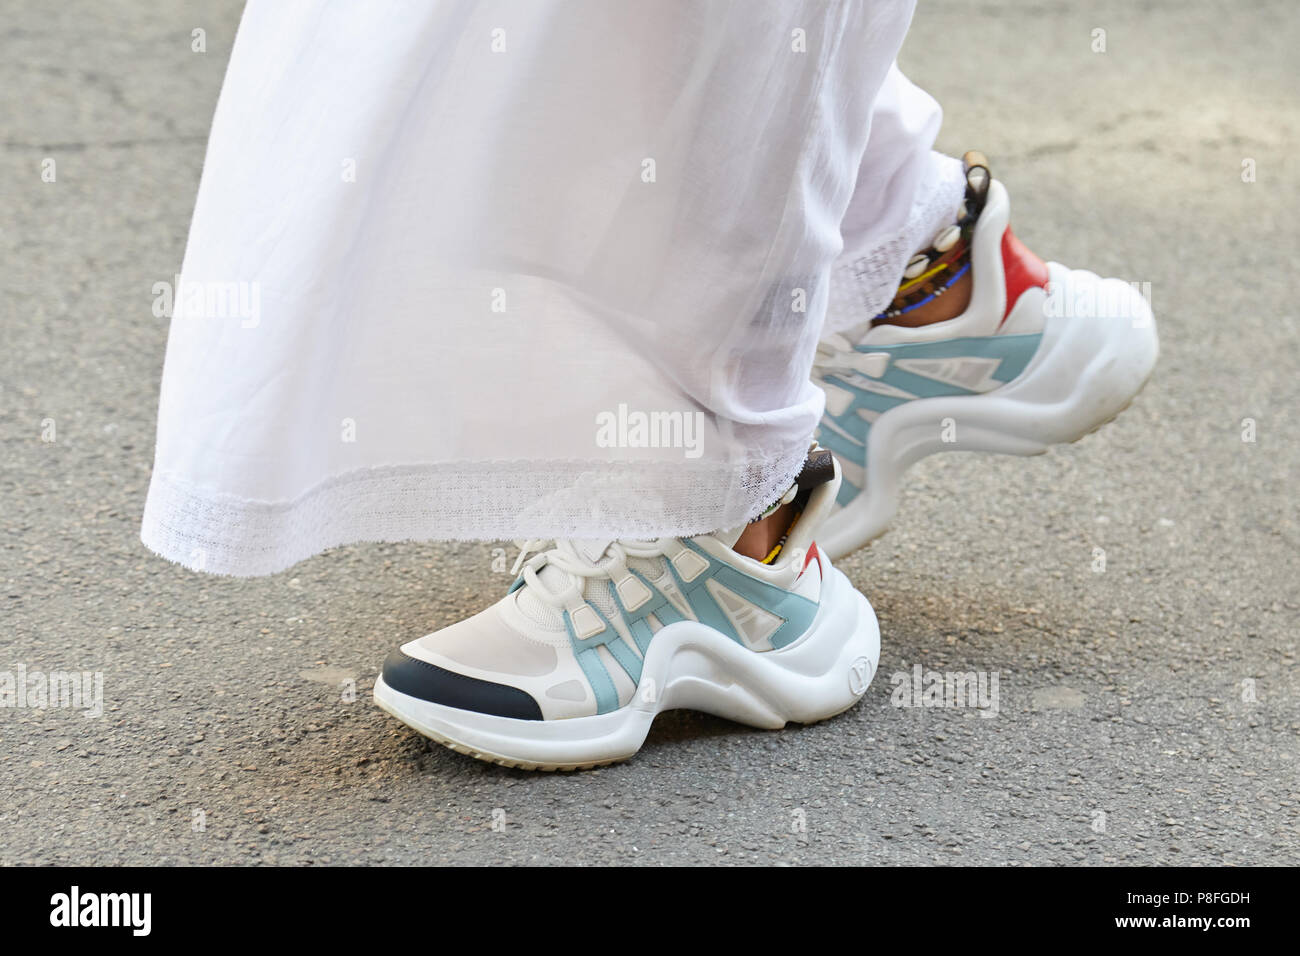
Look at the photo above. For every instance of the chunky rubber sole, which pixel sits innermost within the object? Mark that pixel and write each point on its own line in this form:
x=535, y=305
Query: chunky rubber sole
x=1086, y=371
x=688, y=665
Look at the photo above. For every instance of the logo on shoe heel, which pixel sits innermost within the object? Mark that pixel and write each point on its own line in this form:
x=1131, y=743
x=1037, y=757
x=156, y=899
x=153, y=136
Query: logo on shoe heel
x=859, y=676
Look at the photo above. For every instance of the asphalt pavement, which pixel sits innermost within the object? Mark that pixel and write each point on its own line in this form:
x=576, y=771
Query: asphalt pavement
x=1135, y=595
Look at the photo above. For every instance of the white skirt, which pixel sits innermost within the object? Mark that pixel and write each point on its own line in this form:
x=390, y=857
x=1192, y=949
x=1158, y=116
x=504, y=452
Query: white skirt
x=477, y=270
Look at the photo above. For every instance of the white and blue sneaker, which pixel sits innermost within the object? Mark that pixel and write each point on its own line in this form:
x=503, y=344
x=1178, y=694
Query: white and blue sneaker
x=595, y=638
x=1042, y=355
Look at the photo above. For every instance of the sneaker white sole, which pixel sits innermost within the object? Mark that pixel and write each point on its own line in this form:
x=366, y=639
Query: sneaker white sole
x=1085, y=372
x=688, y=665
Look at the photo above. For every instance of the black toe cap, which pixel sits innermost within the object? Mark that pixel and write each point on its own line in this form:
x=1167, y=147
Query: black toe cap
x=417, y=678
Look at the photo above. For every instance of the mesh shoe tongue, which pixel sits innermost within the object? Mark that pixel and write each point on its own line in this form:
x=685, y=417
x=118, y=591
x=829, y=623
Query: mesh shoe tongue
x=535, y=608
x=538, y=610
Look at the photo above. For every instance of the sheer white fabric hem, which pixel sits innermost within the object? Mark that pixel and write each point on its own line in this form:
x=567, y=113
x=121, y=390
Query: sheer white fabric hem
x=219, y=533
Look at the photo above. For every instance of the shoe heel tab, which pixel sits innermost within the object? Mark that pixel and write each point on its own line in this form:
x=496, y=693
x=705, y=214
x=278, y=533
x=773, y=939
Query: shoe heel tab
x=817, y=470
x=817, y=506
x=996, y=214
x=975, y=166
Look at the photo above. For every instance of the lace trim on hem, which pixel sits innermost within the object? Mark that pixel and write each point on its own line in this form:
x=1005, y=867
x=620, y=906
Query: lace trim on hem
x=207, y=530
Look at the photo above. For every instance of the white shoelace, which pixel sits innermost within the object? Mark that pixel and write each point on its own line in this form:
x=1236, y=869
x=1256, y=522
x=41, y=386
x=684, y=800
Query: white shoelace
x=566, y=557
x=832, y=344
x=835, y=353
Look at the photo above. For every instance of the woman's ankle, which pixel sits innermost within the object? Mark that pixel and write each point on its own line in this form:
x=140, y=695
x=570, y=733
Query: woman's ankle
x=760, y=538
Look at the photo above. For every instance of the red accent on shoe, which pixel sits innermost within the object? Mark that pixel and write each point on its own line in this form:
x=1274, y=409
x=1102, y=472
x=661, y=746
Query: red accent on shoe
x=813, y=554
x=1023, y=270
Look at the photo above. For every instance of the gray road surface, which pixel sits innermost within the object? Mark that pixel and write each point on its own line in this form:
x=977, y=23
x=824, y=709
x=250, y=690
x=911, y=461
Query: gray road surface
x=1147, y=713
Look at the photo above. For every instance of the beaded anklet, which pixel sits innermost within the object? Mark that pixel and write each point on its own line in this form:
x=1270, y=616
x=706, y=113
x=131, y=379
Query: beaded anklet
x=776, y=550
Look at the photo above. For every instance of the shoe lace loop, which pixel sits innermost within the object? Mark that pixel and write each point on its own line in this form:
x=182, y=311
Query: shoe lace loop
x=835, y=353
x=566, y=557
